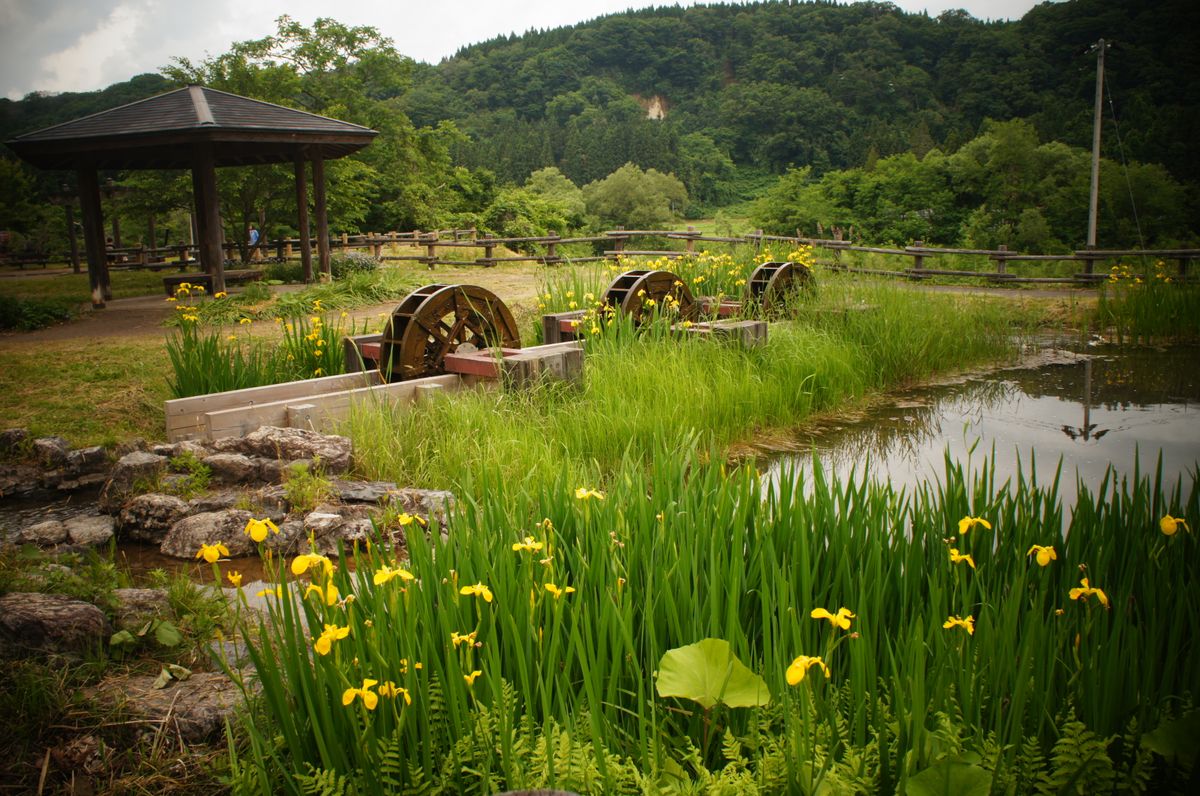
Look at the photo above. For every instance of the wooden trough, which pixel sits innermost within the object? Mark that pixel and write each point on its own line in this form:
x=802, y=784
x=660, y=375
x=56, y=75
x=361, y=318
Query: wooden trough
x=450, y=354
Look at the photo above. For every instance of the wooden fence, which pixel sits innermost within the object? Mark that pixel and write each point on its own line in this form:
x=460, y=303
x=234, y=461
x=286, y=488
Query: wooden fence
x=912, y=262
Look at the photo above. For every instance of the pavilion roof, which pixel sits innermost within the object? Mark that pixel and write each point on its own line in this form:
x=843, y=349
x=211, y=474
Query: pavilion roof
x=162, y=132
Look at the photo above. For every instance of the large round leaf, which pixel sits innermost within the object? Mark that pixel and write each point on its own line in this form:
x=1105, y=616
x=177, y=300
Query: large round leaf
x=708, y=672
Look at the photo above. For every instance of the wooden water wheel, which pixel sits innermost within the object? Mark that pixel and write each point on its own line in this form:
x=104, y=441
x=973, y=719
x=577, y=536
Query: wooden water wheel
x=437, y=320
x=772, y=284
x=637, y=293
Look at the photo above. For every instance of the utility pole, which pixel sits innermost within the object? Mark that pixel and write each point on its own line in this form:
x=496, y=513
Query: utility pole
x=1094, y=198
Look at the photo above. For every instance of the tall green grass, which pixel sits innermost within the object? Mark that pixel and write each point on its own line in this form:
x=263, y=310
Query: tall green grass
x=643, y=388
x=684, y=549
x=1148, y=311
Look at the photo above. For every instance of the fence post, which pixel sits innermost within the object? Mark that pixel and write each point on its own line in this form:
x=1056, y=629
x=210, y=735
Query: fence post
x=1183, y=267
x=431, y=249
x=1001, y=258
x=691, y=241
x=619, y=244
x=551, y=249
x=918, y=259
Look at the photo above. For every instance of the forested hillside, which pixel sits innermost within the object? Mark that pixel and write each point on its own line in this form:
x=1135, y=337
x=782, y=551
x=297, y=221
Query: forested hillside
x=901, y=126
x=817, y=84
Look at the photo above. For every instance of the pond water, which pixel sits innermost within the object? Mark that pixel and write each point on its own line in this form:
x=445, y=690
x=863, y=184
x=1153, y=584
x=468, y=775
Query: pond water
x=1114, y=407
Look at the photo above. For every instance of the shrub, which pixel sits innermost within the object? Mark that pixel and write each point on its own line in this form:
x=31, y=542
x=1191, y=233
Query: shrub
x=24, y=314
x=347, y=263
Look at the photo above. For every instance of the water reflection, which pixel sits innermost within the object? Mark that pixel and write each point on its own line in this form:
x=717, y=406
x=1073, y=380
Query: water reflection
x=1115, y=408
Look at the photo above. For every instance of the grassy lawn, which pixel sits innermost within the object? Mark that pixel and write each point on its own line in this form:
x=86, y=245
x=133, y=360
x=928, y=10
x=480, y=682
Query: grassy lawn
x=90, y=392
x=74, y=287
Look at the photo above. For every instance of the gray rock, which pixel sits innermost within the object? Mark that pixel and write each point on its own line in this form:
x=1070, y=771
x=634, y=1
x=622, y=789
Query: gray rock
x=353, y=511
x=227, y=526
x=430, y=504
x=147, y=518
x=32, y=623
x=213, y=501
x=272, y=499
x=232, y=468
x=86, y=481
x=131, y=471
x=323, y=523
x=135, y=445
x=136, y=607
x=91, y=530
x=356, y=531
x=363, y=491
x=290, y=444
x=171, y=450
x=271, y=471
x=44, y=534
x=18, y=479
x=87, y=460
x=11, y=440
x=194, y=710
x=291, y=537
x=51, y=451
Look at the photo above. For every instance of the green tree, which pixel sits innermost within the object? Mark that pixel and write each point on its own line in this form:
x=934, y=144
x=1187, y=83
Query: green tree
x=553, y=186
x=635, y=199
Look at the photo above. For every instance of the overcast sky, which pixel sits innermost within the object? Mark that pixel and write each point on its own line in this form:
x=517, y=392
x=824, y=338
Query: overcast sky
x=83, y=45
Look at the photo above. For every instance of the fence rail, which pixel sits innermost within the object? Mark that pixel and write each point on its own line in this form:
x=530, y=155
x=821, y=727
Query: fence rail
x=916, y=261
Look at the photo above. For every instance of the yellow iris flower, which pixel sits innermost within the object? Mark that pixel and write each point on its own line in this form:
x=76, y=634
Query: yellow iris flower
x=529, y=545
x=967, y=523
x=840, y=619
x=212, y=552
x=302, y=563
x=257, y=530
x=461, y=638
x=557, y=592
x=967, y=624
x=583, y=493
x=470, y=678
x=386, y=573
x=369, y=698
x=1170, y=525
x=235, y=578
x=330, y=634
x=1085, y=590
x=1045, y=554
x=478, y=590
x=799, y=668
x=957, y=557
x=390, y=689
x=328, y=593
x=271, y=592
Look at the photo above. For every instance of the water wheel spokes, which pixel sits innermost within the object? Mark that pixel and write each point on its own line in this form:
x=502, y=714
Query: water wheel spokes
x=636, y=294
x=773, y=284
x=436, y=320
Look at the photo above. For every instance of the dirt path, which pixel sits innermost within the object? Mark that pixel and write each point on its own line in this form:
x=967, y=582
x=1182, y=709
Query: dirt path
x=144, y=316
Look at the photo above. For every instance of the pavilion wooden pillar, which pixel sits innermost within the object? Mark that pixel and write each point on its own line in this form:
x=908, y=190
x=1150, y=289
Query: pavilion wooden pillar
x=302, y=219
x=92, y=217
x=322, y=216
x=208, y=215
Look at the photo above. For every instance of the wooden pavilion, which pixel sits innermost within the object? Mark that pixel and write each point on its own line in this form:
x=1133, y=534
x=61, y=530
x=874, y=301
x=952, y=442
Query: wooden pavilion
x=195, y=128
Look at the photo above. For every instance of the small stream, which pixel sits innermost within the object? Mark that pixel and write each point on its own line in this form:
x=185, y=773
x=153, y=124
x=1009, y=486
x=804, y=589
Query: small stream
x=1116, y=407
